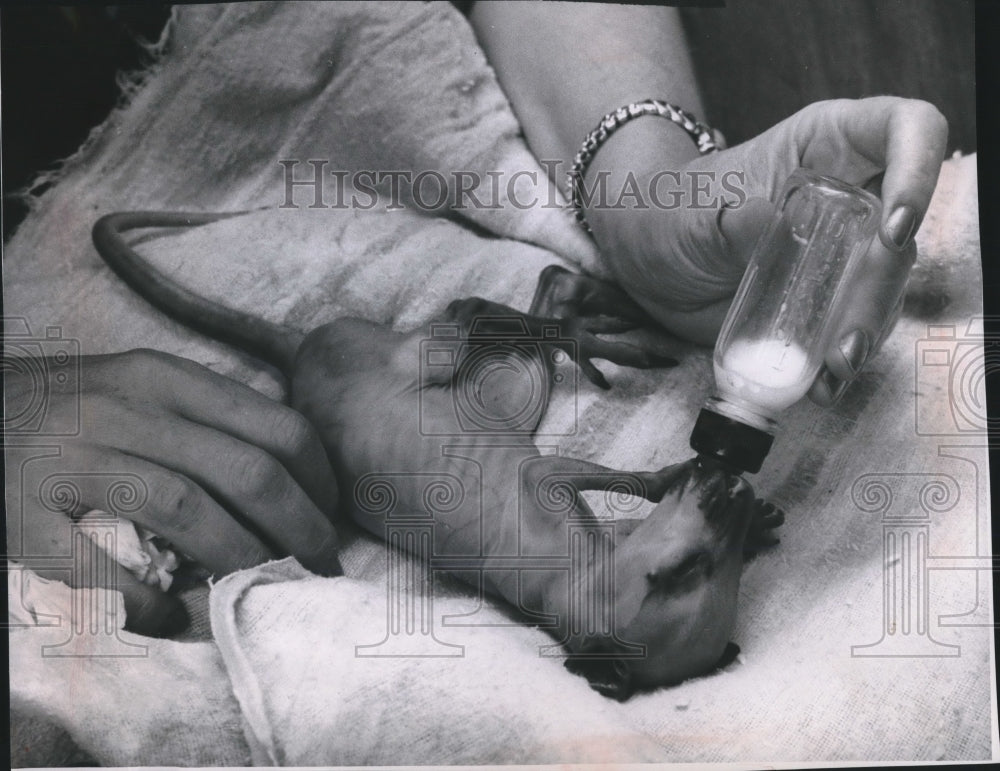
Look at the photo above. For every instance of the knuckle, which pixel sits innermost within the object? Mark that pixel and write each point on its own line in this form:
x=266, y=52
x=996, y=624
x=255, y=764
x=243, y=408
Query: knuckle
x=141, y=364
x=817, y=111
x=926, y=115
x=257, y=474
x=247, y=555
x=322, y=554
x=177, y=503
x=327, y=542
x=293, y=433
x=840, y=104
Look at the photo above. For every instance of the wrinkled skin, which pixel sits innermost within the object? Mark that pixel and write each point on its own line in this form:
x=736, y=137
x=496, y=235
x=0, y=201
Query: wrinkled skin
x=371, y=394
x=678, y=576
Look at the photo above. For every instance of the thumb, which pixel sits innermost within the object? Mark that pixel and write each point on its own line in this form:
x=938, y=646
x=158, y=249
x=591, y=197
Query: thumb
x=741, y=227
x=711, y=252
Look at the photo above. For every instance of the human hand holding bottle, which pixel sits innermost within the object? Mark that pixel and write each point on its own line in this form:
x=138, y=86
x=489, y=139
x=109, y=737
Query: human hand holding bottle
x=684, y=264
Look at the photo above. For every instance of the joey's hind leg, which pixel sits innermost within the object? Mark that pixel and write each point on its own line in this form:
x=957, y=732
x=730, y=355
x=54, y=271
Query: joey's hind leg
x=553, y=475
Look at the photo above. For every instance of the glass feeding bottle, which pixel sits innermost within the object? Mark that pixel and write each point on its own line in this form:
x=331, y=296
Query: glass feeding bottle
x=784, y=315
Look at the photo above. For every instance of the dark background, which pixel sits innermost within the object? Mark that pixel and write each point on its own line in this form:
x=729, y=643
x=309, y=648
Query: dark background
x=57, y=78
x=758, y=61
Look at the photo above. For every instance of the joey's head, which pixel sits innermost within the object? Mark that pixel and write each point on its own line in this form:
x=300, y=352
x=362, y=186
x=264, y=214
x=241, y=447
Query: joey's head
x=677, y=577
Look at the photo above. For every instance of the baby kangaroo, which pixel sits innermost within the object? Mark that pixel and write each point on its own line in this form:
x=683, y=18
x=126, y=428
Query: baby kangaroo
x=455, y=406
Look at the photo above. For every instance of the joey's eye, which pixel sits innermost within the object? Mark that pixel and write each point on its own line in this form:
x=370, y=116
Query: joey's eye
x=687, y=566
x=690, y=566
x=682, y=574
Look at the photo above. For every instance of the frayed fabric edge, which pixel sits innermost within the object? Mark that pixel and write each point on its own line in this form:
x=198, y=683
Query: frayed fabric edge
x=129, y=84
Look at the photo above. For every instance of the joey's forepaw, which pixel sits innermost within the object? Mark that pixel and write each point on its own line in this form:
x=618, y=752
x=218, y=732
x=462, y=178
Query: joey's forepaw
x=602, y=325
x=589, y=346
x=765, y=519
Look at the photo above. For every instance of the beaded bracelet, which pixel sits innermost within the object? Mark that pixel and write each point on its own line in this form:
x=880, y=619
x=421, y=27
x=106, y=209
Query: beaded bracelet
x=610, y=123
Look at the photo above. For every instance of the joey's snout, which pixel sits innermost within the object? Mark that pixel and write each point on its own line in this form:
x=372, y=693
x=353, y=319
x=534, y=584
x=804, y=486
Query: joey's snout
x=724, y=497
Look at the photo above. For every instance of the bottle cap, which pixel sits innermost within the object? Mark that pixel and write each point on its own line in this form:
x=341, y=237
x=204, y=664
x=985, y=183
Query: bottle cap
x=731, y=441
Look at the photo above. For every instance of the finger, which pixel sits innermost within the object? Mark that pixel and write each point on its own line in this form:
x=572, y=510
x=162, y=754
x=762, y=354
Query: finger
x=170, y=504
x=717, y=247
x=890, y=325
x=594, y=375
x=774, y=519
x=148, y=610
x=874, y=185
x=243, y=477
x=847, y=358
x=741, y=228
x=870, y=309
x=609, y=325
x=626, y=354
x=767, y=538
x=905, y=137
x=827, y=389
x=564, y=295
x=918, y=136
x=205, y=397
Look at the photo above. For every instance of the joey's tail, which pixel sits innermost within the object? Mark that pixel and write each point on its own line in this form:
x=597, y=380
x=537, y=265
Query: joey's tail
x=262, y=339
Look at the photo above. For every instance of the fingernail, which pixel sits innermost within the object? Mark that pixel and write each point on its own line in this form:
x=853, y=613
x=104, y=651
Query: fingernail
x=335, y=568
x=176, y=621
x=854, y=347
x=599, y=380
x=833, y=385
x=900, y=226
x=326, y=561
x=839, y=391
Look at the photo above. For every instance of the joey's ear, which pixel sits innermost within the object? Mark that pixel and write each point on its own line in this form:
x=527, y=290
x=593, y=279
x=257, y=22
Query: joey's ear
x=609, y=677
x=607, y=673
x=728, y=655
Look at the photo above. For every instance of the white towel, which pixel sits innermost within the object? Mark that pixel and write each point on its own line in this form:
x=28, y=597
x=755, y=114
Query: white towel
x=241, y=87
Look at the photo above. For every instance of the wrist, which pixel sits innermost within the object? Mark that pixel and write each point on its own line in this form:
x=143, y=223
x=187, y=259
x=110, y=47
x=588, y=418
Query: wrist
x=646, y=144
x=628, y=162
x=639, y=150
